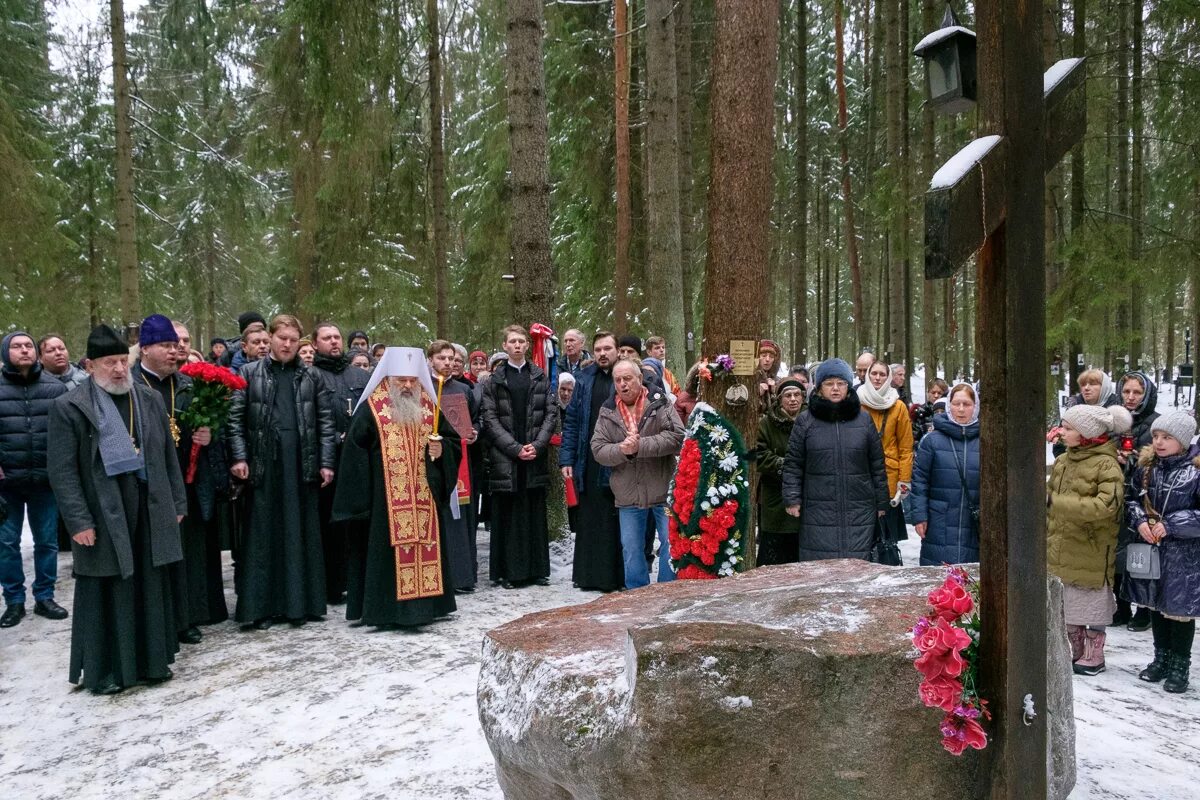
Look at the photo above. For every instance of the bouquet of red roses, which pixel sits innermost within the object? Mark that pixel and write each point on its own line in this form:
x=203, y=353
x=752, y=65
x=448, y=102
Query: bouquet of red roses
x=947, y=638
x=212, y=389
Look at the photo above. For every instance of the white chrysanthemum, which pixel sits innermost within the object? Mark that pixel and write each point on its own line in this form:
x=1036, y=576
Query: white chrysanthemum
x=705, y=505
x=719, y=435
x=729, y=463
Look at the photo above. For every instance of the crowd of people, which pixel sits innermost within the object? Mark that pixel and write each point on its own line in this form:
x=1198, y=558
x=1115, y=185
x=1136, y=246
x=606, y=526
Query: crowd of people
x=354, y=473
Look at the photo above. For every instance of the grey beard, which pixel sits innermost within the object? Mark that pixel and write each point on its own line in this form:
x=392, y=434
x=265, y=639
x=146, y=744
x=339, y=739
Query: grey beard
x=405, y=410
x=112, y=387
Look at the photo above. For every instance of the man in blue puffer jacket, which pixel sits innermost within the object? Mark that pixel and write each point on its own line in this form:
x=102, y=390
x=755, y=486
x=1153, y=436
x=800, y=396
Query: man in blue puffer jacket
x=26, y=393
x=945, y=495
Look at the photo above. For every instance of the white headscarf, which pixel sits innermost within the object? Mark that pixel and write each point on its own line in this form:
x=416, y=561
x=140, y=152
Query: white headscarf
x=878, y=399
x=401, y=362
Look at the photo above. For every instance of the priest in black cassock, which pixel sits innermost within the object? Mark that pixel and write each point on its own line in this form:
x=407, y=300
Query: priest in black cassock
x=203, y=602
x=459, y=410
x=121, y=496
x=597, y=563
x=282, y=437
x=399, y=476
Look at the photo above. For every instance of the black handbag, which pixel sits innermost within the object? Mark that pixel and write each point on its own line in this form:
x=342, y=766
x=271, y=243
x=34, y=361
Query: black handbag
x=884, y=550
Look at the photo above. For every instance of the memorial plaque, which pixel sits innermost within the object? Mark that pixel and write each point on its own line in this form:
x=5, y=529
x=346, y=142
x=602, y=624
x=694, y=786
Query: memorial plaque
x=744, y=353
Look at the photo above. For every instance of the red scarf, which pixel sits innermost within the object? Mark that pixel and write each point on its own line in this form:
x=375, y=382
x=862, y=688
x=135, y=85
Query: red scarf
x=632, y=415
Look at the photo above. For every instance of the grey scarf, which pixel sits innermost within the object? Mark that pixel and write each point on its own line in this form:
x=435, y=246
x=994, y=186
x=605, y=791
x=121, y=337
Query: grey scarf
x=116, y=448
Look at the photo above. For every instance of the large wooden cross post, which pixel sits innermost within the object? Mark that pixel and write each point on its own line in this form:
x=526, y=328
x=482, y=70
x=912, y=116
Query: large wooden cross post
x=989, y=199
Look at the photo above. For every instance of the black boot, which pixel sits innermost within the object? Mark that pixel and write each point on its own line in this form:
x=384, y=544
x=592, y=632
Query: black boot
x=49, y=609
x=1177, y=673
x=13, y=614
x=1141, y=619
x=1156, y=670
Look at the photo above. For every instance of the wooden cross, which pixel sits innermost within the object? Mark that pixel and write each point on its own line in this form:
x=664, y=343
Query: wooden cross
x=989, y=200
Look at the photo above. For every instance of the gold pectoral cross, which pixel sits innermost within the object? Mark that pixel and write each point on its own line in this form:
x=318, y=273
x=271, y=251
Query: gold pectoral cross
x=174, y=431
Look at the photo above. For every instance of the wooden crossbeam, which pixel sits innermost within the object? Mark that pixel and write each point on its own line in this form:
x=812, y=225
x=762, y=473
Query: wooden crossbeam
x=960, y=212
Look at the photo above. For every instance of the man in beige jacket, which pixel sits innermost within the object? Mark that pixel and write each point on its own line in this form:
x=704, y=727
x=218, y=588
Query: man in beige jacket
x=638, y=436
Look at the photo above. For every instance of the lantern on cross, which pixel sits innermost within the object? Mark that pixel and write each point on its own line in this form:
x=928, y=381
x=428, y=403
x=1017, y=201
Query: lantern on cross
x=949, y=53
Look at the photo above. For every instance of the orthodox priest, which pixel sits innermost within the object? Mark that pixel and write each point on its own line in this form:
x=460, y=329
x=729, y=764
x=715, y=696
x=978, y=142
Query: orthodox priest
x=459, y=410
x=399, y=476
x=158, y=368
x=282, y=437
x=115, y=474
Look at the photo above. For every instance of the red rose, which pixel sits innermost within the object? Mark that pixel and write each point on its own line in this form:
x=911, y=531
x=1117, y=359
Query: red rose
x=959, y=734
x=941, y=692
x=941, y=647
x=951, y=600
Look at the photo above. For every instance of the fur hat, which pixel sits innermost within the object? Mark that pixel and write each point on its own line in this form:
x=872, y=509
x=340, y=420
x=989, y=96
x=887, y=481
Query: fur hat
x=629, y=340
x=104, y=341
x=1178, y=424
x=1092, y=422
x=833, y=368
x=247, y=318
x=157, y=329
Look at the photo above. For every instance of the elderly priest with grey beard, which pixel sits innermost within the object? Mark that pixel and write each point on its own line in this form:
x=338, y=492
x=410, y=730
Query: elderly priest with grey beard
x=120, y=493
x=398, y=472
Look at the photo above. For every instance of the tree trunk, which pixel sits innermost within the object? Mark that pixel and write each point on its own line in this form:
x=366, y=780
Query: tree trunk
x=306, y=180
x=1078, y=50
x=825, y=258
x=740, y=192
x=799, y=272
x=529, y=234
x=624, y=214
x=1123, y=307
x=124, y=207
x=862, y=326
x=437, y=168
x=929, y=289
x=683, y=83
x=906, y=168
x=949, y=309
x=1137, y=209
x=665, y=284
x=965, y=327
x=893, y=349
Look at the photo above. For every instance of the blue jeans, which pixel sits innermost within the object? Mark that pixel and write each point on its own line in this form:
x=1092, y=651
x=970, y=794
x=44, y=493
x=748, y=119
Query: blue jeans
x=43, y=521
x=633, y=545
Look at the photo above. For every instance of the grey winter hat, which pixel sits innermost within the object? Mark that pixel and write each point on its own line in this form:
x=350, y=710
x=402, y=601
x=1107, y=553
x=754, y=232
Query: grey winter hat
x=1122, y=420
x=1090, y=421
x=1178, y=424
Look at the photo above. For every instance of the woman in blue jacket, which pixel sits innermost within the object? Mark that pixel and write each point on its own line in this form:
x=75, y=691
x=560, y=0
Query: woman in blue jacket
x=944, y=504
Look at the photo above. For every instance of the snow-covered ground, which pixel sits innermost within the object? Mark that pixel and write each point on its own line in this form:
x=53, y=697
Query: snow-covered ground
x=329, y=711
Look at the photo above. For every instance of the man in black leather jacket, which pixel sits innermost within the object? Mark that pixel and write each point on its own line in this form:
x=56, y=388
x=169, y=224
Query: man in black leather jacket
x=282, y=437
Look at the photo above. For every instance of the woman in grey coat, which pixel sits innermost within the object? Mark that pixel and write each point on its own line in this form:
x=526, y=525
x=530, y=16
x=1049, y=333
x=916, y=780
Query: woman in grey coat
x=834, y=477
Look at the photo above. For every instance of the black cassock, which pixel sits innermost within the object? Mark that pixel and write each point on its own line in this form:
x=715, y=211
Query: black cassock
x=281, y=569
x=361, y=495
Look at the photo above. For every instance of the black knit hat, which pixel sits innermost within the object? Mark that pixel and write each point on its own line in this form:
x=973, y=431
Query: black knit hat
x=104, y=341
x=215, y=341
x=248, y=317
x=629, y=340
x=788, y=383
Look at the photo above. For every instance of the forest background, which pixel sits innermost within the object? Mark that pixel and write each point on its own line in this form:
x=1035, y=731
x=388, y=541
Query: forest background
x=382, y=163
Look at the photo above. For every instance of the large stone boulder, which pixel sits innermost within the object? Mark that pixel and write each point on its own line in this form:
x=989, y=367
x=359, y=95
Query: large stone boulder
x=785, y=682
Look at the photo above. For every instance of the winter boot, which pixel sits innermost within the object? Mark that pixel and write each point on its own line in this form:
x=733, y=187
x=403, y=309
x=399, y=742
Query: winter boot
x=1177, y=673
x=1076, y=638
x=1141, y=619
x=1156, y=670
x=1092, y=661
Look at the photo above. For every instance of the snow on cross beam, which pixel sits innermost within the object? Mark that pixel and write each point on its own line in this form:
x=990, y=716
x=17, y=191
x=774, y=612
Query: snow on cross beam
x=965, y=201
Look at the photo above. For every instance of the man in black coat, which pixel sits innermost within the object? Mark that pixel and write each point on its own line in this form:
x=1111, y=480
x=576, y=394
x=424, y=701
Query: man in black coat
x=344, y=386
x=116, y=475
x=282, y=438
x=519, y=417
x=26, y=392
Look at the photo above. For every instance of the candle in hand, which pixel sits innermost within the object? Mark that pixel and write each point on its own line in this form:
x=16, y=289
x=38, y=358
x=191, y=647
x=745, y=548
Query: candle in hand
x=437, y=411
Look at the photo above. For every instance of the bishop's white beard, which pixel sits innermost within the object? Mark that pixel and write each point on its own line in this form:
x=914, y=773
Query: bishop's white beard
x=406, y=409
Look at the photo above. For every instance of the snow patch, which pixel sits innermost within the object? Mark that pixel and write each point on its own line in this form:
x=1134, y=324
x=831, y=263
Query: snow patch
x=1056, y=73
x=737, y=703
x=963, y=161
x=940, y=35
